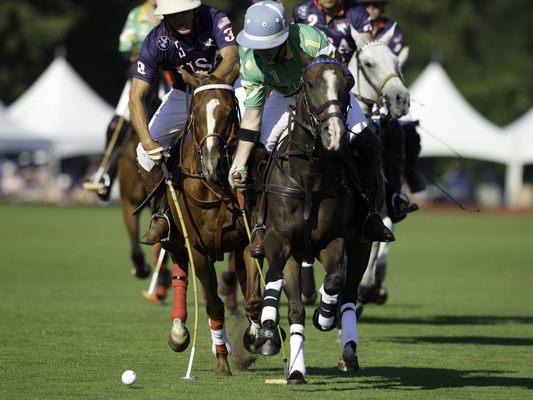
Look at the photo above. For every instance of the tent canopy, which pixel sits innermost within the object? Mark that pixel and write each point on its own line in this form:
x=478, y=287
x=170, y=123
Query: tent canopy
x=14, y=139
x=62, y=108
x=520, y=132
x=448, y=121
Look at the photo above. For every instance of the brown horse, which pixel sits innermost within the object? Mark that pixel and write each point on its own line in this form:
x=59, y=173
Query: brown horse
x=212, y=214
x=311, y=213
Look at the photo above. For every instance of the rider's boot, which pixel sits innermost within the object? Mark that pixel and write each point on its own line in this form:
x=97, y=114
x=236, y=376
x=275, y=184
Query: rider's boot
x=367, y=149
x=159, y=226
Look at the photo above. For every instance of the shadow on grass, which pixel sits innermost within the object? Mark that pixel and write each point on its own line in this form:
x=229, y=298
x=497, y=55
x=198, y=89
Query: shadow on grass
x=405, y=378
x=449, y=320
x=479, y=340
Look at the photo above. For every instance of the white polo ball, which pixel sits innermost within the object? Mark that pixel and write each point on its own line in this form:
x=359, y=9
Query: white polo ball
x=129, y=377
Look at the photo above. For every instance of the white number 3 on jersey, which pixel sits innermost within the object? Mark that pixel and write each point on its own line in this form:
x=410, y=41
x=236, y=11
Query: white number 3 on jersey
x=228, y=35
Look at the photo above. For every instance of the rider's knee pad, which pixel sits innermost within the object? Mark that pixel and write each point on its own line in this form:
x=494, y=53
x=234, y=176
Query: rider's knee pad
x=143, y=159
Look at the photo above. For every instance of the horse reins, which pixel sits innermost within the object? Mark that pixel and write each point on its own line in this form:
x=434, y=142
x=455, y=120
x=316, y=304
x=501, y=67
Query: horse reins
x=377, y=88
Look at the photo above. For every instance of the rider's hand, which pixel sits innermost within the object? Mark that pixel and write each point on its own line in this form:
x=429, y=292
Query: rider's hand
x=398, y=206
x=155, y=151
x=237, y=176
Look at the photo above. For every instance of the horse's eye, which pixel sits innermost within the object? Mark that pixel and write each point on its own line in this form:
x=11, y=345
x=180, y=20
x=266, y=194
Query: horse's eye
x=368, y=64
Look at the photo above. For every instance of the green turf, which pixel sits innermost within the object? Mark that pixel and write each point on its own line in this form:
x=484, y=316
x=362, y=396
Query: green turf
x=459, y=322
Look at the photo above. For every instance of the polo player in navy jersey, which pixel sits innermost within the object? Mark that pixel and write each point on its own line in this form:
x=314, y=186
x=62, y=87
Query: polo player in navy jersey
x=336, y=18
x=191, y=36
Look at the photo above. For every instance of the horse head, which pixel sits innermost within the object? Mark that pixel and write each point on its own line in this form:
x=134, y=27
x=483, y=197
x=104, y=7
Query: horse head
x=213, y=119
x=325, y=94
x=377, y=71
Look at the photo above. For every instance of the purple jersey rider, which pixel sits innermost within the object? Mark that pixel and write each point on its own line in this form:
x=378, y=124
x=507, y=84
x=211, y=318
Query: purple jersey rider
x=191, y=36
x=382, y=24
x=336, y=18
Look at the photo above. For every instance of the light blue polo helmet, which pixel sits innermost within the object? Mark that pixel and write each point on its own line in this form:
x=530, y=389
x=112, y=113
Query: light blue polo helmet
x=266, y=25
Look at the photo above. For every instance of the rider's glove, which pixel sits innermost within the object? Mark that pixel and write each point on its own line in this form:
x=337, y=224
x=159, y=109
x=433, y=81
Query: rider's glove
x=397, y=206
x=237, y=176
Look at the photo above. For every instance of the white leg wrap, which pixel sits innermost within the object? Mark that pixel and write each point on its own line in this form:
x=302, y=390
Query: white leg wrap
x=270, y=312
x=324, y=322
x=219, y=338
x=276, y=285
x=143, y=159
x=349, y=324
x=297, y=362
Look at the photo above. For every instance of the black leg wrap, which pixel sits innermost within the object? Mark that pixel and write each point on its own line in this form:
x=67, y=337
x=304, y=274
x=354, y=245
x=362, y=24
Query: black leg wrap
x=327, y=311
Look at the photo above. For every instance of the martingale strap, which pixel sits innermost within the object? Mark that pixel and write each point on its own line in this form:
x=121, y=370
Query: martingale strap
x=212, y=86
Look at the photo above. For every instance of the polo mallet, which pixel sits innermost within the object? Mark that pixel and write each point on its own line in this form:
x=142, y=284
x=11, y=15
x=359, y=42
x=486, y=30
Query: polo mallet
x=168, y=181
x=95, y=183
x=150, y=293
x=248, y=232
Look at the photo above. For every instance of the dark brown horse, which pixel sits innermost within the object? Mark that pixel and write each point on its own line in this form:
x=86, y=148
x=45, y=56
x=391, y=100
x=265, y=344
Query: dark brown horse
x=212, y=214
x=311, y=214
x=132, y=194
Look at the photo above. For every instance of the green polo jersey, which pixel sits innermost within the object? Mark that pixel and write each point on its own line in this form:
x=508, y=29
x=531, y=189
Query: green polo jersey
x=136, y=28
x=283, y=76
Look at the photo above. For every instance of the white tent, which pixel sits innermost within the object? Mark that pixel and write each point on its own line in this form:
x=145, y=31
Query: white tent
x=62, y=108
x=449, y=123
x=14, y=138
x=521, y=134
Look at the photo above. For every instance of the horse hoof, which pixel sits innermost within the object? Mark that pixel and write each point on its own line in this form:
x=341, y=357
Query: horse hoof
x=222, y=368
x=296, y=378
x=382, y=296
x=268, y=342
x=249, y=339
x=317, y=325
x=309, y=300
x=141, y=271
x=179, y=337
x=349, y=361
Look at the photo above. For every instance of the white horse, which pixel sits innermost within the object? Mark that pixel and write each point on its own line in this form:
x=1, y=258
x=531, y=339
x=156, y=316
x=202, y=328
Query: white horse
x=379, y=88
x=378, y=75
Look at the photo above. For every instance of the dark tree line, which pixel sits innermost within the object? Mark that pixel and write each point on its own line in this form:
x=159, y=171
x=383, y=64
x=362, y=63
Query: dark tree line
x=485, y=45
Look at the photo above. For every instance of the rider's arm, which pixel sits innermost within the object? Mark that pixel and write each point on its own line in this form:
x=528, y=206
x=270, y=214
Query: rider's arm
x=228, y=69
x=139, y=117
x=251, y=121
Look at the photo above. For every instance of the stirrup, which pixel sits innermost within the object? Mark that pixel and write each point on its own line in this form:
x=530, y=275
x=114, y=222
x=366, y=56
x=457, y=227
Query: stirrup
x=157, y=215
x=257, y=228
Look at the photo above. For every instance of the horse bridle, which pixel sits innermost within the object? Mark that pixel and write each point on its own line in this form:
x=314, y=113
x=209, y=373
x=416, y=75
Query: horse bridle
x=191, y=127
x=377, y=88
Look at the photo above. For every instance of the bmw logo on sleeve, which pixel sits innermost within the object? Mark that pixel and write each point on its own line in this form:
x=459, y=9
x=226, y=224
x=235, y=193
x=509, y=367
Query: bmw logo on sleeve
x=163, y=42
x=303, y=11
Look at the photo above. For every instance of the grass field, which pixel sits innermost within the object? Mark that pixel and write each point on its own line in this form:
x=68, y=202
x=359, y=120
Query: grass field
x=458, y=324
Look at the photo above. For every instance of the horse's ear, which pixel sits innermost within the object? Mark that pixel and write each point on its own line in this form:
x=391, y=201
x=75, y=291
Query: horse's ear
x=307, y=59
x=359, y=41
x=190, y=80
x=387, y=37
x=403, y=56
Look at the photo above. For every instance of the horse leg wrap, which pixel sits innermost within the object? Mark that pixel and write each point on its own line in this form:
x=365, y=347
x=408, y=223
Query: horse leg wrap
x=327, y=311
x=221, y=345
x=179, y=288
x=297, y=349
x=269, y=308
x=349, y=324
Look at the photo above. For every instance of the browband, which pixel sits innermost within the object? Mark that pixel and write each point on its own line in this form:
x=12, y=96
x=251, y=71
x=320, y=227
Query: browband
x=212, y=87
